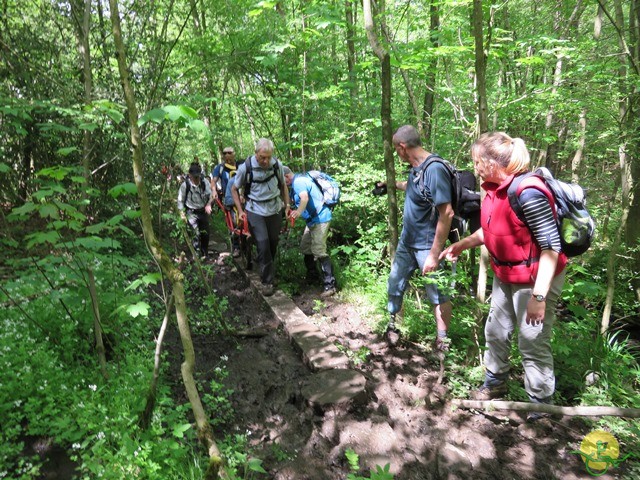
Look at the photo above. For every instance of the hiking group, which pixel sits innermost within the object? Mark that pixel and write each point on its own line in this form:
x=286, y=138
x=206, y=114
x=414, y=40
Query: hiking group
x=517, y=221
x=256, y=192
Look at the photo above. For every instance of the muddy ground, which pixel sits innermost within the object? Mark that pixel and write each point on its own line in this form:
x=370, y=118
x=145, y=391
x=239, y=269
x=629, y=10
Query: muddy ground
x=406, y=419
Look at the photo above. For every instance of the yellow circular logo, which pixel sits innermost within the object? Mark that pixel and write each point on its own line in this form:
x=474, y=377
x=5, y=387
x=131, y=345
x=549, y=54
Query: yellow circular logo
x=599, y=450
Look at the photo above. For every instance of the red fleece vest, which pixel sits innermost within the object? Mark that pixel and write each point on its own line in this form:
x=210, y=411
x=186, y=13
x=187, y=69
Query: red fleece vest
x=514, y=252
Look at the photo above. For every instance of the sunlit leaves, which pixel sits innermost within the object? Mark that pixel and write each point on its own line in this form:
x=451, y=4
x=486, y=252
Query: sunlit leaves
x=123, y=189
x=140, y=308
x=146, y=280
x=57, y=172
x=260, y=7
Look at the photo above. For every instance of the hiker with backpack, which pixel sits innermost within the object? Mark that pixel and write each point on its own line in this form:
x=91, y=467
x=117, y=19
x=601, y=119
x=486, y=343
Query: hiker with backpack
x=308, y=200
x=194, y=204
x=528, y=264
x=261, y=179
x=221, y=183
x=427, y=220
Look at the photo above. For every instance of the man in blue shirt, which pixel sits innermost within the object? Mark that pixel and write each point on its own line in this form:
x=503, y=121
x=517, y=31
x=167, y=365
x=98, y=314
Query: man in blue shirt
x=307, y=198
x=426, y=222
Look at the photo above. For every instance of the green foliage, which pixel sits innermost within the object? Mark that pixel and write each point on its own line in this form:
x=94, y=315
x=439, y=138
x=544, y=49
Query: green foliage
x=218, y=397
x=240, y=464
x=379, y=473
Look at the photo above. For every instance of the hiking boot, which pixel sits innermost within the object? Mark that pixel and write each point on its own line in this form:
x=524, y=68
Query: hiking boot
x=235, y=253
x=328, y=291
x=267, y=289
x=535, y=416
x=485, y=392
x=392, y=335
x=442, y=344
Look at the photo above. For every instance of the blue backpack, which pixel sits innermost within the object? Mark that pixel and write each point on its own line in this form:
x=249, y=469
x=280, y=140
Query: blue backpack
x=329, y=187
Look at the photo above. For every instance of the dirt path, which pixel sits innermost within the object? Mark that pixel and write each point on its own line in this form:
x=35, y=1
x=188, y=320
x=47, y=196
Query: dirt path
x=405, y=421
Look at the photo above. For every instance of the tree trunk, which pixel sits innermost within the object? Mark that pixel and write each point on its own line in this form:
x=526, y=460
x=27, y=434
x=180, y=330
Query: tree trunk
x=481, y=67
x=577, y=158
x=431, y=76
x=483, y=125
x=97, y=326
x=385, y=114
x=205, y=433
x=626, y=181
x=81, y=12
x=351, y=58
x=145, y=416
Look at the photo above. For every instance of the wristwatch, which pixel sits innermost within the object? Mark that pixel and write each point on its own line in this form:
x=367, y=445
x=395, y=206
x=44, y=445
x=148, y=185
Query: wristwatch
x=539, y=298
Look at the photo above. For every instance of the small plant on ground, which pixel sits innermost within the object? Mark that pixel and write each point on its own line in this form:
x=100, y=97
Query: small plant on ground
x=379, y=473
x=240, y=465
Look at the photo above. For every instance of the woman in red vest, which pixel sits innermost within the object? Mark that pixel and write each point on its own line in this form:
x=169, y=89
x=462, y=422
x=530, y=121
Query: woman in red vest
x=528, y=267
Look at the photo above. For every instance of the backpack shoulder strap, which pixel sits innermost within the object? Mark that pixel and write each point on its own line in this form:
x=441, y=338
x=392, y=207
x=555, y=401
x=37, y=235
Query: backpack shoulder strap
x=436, y=158
x=314, y=180
x=277, y=170
x=519, y=183
x=187, y=189
x=248, y=176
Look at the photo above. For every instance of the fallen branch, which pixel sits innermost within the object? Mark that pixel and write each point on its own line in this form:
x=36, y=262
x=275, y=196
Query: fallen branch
x=545, y=408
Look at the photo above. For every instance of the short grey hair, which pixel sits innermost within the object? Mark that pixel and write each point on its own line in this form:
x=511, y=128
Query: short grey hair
x=408, y=135
x=265, y=144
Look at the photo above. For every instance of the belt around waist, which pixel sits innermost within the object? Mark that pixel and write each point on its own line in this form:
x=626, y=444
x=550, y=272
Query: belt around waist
x=527, y=262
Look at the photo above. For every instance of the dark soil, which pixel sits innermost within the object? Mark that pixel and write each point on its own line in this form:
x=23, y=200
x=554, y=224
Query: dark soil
x=406, y=419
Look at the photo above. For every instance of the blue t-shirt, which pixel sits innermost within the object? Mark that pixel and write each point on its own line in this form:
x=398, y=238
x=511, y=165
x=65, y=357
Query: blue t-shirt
x=420, y=212
x=316, y=212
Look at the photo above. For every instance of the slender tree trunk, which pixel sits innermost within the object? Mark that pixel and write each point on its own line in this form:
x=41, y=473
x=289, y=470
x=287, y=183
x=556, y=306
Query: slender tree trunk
x=81, y=11
x=626, y=181
x=205, y=433
x=145, y=417
x=483, y=124
x=577, y=157
x=481, y=67
x=351, y=57
x=385, y=114
x=97, y=326
x=431, y=76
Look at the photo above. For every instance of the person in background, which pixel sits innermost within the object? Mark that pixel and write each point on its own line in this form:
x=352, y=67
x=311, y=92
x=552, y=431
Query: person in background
x=265, y=193
x=306, y=197
x=194, y=204
x=427, y=218
x=221, y=180
x=528, y=268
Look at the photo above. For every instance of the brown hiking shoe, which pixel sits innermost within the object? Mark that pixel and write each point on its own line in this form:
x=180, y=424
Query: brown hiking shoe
x=442, y=344
x=485, y=393
x=392, y=335
x=267, y=289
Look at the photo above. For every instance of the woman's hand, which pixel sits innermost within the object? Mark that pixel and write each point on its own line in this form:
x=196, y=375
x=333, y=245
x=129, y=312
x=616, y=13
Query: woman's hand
x=452, y=252
x=535, y=312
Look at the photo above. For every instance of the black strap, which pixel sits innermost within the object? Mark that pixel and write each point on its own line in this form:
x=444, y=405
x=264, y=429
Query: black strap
x=526, y=262
x=249, y=178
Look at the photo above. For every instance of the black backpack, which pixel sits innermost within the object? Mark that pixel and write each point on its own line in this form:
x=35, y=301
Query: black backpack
x=465, y=200
x=250, y=180
x=188, y=184
x=575, y=226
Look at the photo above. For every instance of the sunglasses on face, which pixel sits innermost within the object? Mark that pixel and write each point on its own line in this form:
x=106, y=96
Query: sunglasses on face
x=227, y=153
